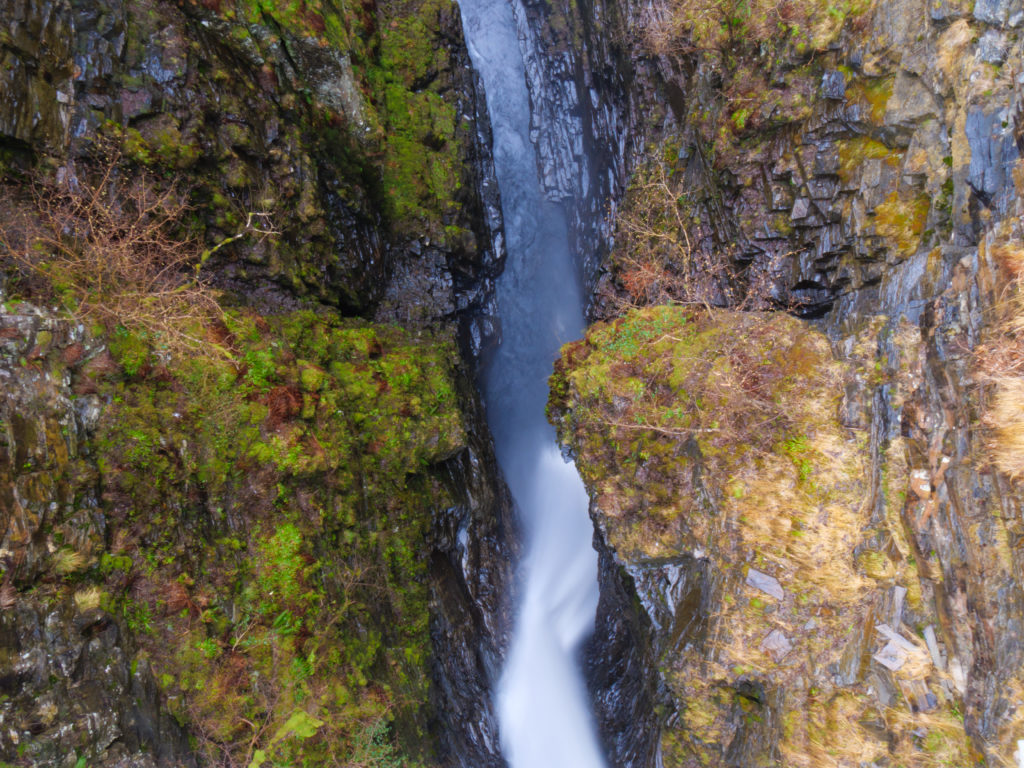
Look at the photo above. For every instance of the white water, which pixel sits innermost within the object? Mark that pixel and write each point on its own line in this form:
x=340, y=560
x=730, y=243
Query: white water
x=543, y=708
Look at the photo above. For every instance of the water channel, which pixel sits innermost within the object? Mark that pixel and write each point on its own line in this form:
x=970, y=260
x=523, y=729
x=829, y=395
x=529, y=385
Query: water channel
x=543, y=707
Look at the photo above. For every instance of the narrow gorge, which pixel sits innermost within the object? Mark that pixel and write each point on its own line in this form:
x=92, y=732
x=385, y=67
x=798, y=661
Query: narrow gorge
x=544, y=711
x=284, y=478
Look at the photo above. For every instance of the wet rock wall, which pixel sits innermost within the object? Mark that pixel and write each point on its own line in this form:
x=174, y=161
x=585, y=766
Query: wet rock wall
x=590, y=102
x=274, y=114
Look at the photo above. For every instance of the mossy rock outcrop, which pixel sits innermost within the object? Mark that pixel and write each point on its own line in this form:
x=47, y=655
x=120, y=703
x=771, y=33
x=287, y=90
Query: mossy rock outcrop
x=727, y=486
x=350, y=130
x=246, y=530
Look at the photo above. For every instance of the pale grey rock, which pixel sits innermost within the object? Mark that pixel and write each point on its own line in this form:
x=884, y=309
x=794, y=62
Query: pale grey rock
x=776, y=645
x=767, y=584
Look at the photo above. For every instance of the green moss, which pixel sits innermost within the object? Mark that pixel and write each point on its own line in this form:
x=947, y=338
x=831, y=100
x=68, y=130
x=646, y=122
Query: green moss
x=311, y=378
x=421, y=166
x=283, y=489
x=130, y=350
x=873, y=94
x=162, y=145
x=739, y=118
x=902, y=220
x=402, y=67
x=853, y=152
x=798, y=449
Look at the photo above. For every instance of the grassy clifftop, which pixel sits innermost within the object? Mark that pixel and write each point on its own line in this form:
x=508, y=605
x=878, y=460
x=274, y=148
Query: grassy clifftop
x=712, y=441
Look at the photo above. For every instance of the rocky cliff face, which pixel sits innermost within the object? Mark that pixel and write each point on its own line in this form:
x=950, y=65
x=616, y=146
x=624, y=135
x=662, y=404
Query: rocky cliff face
x=362, y=133
x=859, y=172
x=587, y=94
x=71, y=679
x=292, y=543
x=179, y=560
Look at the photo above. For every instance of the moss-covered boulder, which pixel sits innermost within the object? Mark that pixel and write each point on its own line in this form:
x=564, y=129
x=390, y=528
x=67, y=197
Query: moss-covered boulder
x=729, y=419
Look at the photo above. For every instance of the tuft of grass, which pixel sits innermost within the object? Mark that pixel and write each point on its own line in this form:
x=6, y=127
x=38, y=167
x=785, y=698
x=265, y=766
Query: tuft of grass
x=67, y=561
x=1005, y=417
x=88, y=598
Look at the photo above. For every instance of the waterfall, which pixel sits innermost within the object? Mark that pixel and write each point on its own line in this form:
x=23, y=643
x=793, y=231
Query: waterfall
x=543, y=708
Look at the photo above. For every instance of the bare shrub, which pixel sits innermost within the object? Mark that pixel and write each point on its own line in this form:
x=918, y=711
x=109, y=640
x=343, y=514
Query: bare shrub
x=669, y=27
x=113, y=248
x=656, y=259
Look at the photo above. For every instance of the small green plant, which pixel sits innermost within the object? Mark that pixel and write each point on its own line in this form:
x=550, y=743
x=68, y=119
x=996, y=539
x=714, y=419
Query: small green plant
x=261, y=368
x=300, y=725
x=372, y=748
x=138, y=616
x=797, y=448
x=739, y=118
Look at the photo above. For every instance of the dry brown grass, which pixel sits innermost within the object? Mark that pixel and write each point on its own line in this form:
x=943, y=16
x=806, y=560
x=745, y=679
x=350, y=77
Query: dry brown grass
x=1005, y=416
x=930, y=740
x=999, y=362
x=680, y=27
x=67, y=562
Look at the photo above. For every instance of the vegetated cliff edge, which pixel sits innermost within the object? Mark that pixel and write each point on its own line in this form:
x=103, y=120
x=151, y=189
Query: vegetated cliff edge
x=810, y=550
x=250, y=519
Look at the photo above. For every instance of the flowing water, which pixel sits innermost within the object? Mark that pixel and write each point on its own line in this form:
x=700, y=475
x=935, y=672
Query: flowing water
x=543, y=708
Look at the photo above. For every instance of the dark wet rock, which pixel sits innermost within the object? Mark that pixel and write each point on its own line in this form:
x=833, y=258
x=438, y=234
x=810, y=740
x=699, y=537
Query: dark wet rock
x=44, y=479
x=1002, y=13
x=74, y=687
x=990, y=136
x=993, y=47
x=586, y=117
x=73, y=682
x=833, y=84
x=474, y=544
x=36, y=73
x=625, y=648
